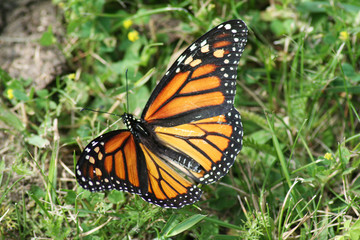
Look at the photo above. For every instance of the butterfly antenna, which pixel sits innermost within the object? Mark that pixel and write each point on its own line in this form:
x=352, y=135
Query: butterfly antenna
x=98, y=111
x=127, y=90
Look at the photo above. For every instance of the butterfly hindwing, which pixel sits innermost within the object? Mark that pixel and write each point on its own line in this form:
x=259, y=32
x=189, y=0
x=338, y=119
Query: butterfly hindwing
x=202, y=81
x=167, y=188
x=211, y=143
x=113, y=161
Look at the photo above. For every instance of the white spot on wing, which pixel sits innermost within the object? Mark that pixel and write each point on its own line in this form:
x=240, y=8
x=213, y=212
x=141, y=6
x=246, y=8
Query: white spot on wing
x=193, y=47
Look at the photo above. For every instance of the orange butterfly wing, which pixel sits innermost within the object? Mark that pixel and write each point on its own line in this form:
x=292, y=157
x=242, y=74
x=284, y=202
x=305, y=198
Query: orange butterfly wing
x=115, y=161
x=202, y=81
x=167, y=188
x=189, y=125
x=208, y=147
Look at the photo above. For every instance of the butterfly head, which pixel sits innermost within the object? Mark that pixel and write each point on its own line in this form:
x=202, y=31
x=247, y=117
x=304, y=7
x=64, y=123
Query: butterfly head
x=135, y=126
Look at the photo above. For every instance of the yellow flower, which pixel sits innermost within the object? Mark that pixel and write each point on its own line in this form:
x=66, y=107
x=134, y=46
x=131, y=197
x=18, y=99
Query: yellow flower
x=344, y=36
x=328, y=156
x=133, y=36
x=61, y=5
x=71, y=76
x=127, y=23
x=10, y=93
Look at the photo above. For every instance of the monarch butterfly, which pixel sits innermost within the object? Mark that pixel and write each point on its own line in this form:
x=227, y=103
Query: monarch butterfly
x=189, y=131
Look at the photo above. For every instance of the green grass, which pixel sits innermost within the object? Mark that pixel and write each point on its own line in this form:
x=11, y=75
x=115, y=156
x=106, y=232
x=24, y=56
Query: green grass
x=297, y=176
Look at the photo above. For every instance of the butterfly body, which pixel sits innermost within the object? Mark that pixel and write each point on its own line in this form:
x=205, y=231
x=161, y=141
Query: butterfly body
x=188, y=132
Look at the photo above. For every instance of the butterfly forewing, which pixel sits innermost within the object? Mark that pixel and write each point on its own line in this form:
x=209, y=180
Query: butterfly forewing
x=202, y=81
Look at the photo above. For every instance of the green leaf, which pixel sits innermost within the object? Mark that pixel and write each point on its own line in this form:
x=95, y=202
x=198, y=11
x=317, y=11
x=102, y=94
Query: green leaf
x=42, y=93
x=37, y=191
x=313, y=7
x=70, y=197
x=170, y=224
x=11, y=120
x=185, y=225
x=354, y=231
x=38, y=141
x=20, y=95
x=4, y=76
x=116, y=197
x=48, y=37
x=281, y=27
